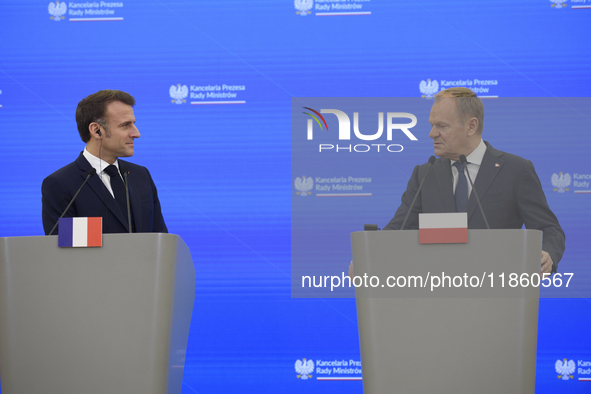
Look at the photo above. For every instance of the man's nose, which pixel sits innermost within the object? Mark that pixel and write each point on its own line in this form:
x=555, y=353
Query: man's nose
x=135, y=133
x=433, y=133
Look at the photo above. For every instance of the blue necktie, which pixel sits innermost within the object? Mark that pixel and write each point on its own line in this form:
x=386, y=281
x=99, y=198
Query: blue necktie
x=461, y=195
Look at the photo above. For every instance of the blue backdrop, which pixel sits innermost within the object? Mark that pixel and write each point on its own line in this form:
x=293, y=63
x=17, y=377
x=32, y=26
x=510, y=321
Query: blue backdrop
x=220, y=156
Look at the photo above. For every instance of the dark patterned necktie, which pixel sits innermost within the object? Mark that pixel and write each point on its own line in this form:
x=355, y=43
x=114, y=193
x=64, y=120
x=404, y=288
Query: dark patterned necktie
x=461, y=194
x=118, y=188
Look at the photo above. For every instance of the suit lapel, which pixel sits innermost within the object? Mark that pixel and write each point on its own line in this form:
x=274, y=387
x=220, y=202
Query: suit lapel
x=97, y=185
x=134, y=197
x=442, y=173
x=492, y=162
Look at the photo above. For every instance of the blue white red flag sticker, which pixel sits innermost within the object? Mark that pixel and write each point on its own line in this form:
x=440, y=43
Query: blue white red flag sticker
x=80, y=232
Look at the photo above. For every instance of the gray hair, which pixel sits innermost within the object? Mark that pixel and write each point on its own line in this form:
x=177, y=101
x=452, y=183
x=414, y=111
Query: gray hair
x=469, y=104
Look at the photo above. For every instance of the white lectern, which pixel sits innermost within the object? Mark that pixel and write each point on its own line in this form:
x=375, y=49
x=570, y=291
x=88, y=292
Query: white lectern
x=454, y=340
x=113, y=319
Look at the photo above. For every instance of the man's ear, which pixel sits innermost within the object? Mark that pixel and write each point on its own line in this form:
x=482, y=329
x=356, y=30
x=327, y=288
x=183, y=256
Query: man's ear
x=472, y=126
x=95, y=130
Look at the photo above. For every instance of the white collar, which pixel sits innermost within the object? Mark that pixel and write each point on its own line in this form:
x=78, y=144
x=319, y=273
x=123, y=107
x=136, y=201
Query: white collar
x=477, y=154
x=98, y=164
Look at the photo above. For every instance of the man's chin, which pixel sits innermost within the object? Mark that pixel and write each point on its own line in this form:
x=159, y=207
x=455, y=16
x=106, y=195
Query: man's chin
x=442, y=154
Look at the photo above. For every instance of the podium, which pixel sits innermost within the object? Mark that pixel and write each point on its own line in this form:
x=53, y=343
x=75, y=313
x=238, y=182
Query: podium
x=448, y=340
x=113, y=319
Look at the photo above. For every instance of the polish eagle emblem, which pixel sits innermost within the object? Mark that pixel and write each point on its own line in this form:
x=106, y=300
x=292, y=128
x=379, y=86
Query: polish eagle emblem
x=304, y=185
x=429, y=88
x=561, y=182
x=304, y=369
x=303, y=6
x=558, y=3
x=179, y=93
x=564, y=369
x=57, y=10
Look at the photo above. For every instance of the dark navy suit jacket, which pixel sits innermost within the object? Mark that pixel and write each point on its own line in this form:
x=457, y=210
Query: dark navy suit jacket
x=95, y=200
x=510, y=192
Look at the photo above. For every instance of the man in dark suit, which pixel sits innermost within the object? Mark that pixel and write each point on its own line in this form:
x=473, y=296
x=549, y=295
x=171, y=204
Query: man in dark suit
x=509, y=189
x=106, y=124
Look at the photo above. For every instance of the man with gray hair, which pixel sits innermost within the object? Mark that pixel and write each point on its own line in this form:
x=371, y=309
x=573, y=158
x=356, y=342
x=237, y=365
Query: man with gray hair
x=508, y=186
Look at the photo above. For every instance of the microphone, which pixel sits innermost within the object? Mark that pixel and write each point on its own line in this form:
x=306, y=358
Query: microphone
x=431, y=161
x=90, y=174
x=124, y=172
x=464, y=161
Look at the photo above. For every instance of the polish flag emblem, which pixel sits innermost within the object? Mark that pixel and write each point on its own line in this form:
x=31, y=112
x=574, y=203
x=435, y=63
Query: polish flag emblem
x=443, y=228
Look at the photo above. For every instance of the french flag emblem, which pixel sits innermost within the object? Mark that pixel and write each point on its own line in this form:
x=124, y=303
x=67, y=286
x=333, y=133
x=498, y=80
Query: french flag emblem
x=443, y=228
x=80, y=232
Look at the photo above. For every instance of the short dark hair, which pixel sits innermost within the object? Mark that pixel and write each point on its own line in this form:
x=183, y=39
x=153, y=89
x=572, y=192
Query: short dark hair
x=93, y=109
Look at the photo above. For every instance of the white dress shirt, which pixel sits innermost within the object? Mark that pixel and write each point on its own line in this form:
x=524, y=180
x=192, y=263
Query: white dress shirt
x=474, y=162
x=100, y=165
